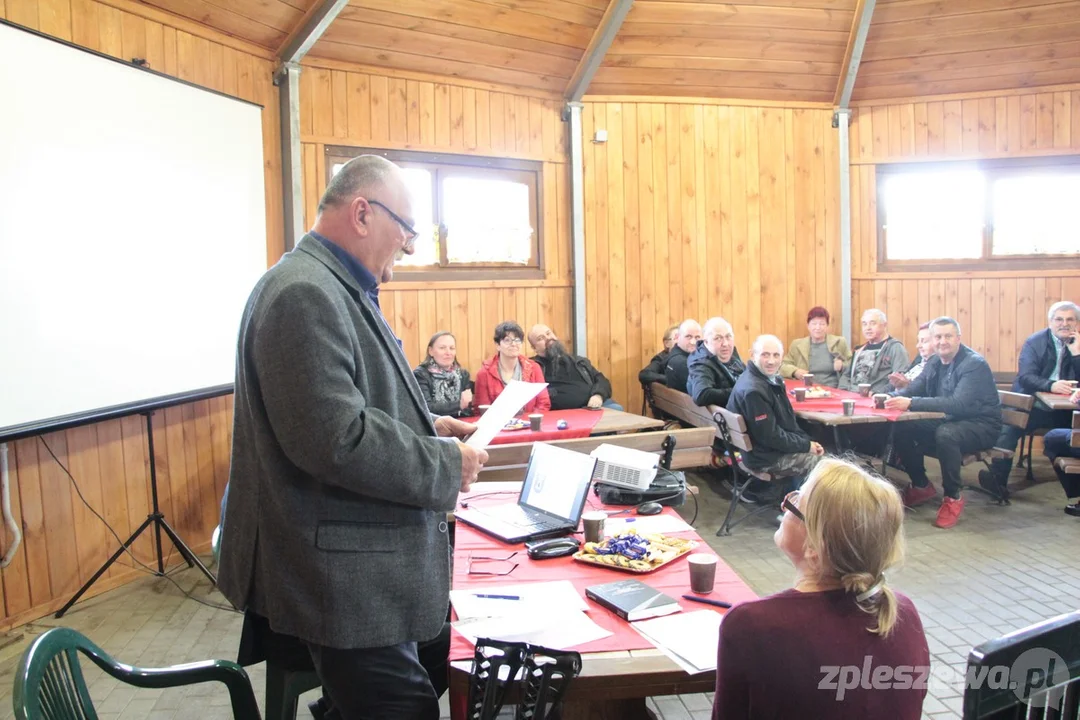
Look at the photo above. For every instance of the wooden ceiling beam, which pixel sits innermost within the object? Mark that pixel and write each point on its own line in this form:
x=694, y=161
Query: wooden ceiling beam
x=598, y=46
x=308, y=31
x=860, y=26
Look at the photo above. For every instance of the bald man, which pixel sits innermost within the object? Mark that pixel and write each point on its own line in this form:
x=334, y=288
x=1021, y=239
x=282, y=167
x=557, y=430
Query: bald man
x=676, y=371
x=335, y=531
x=573, y=381
x=781, y=447
x=715, y=365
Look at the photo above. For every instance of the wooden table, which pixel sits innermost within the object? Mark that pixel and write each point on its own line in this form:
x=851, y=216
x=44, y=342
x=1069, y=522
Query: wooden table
x=864, y=416
x=612, y=685
x=617, y=421
x=1053, y=401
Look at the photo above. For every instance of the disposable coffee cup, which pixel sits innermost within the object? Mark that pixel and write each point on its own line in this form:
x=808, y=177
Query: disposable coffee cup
x=702, y=572
x=482, y=408
x=879, y=400
x=534, y=421
x=800, y=394
x=864, y=389
x=593, y=524
x=808, y=379
x=849, y=407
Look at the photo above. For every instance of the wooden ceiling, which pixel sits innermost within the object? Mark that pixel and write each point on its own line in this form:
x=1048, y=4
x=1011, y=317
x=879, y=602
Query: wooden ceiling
x=784, y=50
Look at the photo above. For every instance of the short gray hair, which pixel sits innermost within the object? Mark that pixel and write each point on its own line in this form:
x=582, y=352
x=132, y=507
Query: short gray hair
x=881, y=315
x=946, y=320
x=761, y=340
x=360, y=176
x=1063, y=305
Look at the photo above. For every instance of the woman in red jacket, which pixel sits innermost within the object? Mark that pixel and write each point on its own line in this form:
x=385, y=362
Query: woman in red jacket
x=509, y=364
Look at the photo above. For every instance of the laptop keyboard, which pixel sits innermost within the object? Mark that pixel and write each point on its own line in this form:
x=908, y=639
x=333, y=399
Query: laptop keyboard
x=520, y=517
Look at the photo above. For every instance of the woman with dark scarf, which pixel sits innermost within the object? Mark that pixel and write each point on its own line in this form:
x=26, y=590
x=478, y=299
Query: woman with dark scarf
x=445, y=384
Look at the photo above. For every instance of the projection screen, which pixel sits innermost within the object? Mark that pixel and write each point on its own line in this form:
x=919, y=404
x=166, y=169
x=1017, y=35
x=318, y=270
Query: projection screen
x=132, y=229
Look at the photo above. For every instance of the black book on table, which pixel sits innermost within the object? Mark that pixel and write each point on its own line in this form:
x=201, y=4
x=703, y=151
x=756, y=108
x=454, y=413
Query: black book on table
x=632, y=600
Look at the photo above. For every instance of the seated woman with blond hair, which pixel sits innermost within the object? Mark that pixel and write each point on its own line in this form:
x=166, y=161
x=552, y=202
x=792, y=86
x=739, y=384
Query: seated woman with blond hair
x=793, y=654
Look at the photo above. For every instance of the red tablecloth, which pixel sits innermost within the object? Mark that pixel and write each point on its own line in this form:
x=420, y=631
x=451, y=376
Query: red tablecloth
x=674, y=579
x=580, y=424
x=834, y=404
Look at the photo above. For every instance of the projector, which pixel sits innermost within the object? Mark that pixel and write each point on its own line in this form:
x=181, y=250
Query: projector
x=624, y=467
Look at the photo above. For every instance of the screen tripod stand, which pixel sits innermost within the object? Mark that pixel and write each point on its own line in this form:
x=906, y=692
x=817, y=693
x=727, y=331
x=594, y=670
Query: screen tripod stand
x=155, y=518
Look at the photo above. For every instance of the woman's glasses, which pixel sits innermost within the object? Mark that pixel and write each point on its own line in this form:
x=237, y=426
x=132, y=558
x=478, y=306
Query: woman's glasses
x=789, y=505
x=512, y=341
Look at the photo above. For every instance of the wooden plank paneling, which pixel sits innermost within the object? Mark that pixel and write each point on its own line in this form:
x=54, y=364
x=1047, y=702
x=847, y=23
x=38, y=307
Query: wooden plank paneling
x=997, y=310
x=64, y=541
x=738, y=211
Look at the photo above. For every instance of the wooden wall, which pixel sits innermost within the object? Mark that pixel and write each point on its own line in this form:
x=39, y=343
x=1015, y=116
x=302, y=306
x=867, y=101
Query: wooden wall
x=64, y=543
x=340, y=106
x=696, y=210
x=997, y=309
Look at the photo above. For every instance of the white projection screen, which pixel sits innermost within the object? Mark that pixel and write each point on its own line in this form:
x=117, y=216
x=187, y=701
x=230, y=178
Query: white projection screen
x=132, y=229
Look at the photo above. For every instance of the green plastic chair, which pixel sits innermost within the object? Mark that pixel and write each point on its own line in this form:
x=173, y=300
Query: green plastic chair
x=49, y=683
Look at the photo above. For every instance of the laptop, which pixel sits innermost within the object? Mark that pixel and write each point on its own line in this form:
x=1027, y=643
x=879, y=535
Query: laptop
x=551, y=500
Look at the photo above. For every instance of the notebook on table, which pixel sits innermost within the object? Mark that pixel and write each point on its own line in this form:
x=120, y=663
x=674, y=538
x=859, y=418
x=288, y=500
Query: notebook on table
x=551, y=500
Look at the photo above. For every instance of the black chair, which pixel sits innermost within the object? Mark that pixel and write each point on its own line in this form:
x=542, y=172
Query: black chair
x=1031, y=673
x=736, y=441
x=545, y=677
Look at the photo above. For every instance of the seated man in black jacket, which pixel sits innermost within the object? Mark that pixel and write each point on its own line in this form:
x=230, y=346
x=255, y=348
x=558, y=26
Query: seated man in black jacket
x=676, y=373
x=781, y=447
x=715, y=365
x=1049, y=362
x=957, y=381
x=654, y=371
x=572, y=380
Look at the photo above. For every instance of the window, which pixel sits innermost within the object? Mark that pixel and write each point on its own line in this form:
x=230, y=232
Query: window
x=475, y=217
x=1003, y=212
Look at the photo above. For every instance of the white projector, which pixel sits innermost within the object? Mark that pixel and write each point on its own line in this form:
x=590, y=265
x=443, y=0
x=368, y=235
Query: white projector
x=624, y=467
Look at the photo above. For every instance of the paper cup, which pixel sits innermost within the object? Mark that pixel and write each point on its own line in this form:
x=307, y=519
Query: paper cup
x=864, y=389
x=481, y=409
x=702, y=572
x=593, y=524
x=849, y=407
x=534, y=421
x=808, y=379
x=800, y=394
x=879, y=400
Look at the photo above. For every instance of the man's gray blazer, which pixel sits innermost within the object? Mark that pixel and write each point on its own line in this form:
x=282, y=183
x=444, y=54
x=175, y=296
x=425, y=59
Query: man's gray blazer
x=335, y=529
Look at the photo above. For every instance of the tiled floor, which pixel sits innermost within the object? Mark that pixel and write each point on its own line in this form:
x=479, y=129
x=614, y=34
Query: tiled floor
x=1000, y=569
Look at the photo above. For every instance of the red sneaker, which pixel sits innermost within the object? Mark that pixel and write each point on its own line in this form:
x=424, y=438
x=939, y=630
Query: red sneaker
x=916, y=496
x=949, y=512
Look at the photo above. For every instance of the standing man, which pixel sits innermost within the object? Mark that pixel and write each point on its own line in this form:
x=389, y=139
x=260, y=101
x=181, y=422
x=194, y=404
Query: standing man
x=335, y=531
x=1049, y=362
x=873, y=362
x=957, y=381
x=573, y=381
x=676, y=372
x=715, y=365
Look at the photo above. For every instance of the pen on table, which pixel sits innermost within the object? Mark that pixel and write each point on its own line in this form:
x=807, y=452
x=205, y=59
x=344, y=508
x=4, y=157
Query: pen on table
x=707, y=601
x=498, y=597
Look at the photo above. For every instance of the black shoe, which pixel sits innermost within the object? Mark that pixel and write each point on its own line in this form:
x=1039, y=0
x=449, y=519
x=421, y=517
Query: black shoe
x=1073, y=510
x=990, y=482
x=319, y=709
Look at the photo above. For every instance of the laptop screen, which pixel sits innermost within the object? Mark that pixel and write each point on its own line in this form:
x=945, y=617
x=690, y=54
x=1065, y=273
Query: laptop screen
x=557, y=481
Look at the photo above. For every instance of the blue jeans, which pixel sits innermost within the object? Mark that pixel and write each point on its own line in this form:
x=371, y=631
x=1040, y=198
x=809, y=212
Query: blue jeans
x=610, y=404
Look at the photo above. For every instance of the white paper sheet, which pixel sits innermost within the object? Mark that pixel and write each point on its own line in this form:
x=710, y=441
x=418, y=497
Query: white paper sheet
x=690, y=639
x=513, y=397
x=558, y=630
x=534, y=599
x=645, y=524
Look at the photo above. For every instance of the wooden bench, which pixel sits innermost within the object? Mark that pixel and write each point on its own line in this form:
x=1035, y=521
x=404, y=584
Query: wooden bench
x=682, y=407
x=736, y=440
x=1004, y=380
x=1068, y=465
x=1015, y=411
x=678, y=450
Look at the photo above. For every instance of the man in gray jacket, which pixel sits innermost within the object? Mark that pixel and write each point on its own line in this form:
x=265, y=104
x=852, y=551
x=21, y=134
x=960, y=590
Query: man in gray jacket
x=335, y=531
x=873, y=362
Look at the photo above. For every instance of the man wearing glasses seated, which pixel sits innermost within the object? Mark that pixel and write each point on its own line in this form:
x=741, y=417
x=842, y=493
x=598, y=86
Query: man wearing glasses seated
x=573, y=382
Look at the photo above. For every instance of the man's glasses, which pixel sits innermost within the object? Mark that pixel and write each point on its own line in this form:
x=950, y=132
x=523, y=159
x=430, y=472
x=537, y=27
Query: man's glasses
x=512, y=341
x=788, y=504
x=488, y=565
x=410, y=233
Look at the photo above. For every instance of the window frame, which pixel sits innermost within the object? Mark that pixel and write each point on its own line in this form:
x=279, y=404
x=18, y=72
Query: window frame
x=529, y=171
x=993, y=170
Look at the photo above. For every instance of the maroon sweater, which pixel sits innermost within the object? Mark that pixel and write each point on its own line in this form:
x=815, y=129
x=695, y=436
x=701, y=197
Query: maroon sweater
x=772, y=653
